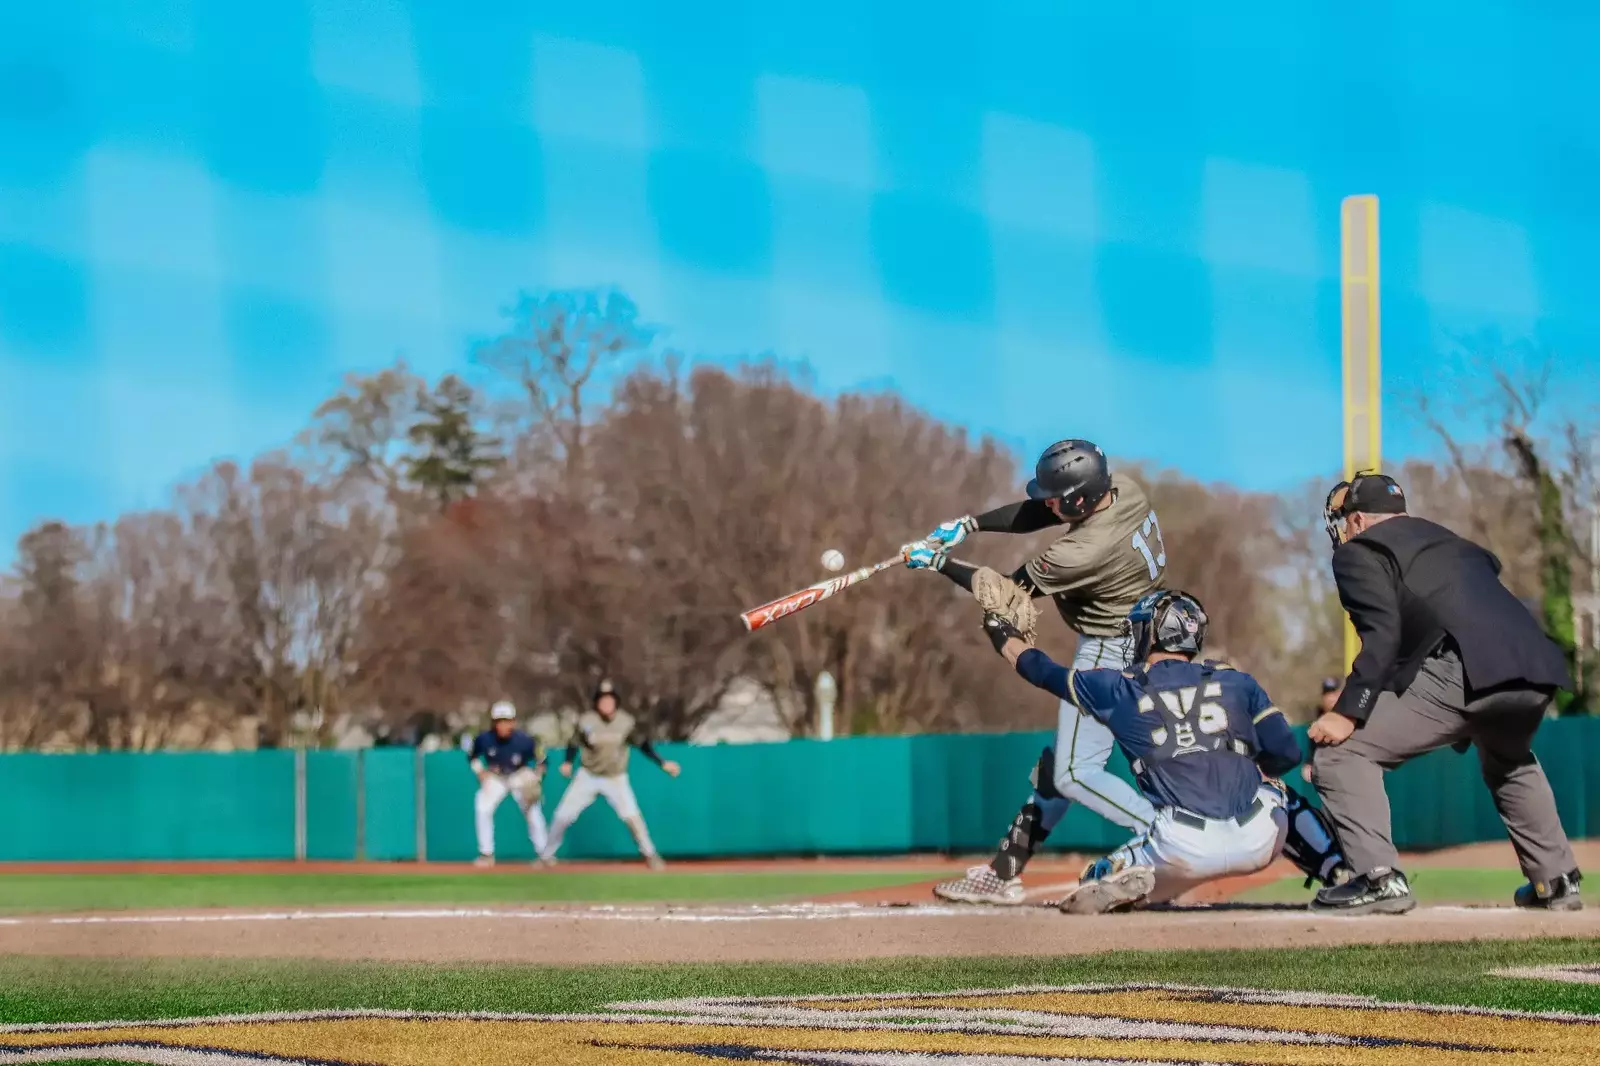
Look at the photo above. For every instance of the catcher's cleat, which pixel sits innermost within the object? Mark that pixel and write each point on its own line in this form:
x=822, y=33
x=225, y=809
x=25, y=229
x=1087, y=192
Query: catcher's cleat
x=483, y=862
x=1113, y=892
x=655, y=862
x=982, y=885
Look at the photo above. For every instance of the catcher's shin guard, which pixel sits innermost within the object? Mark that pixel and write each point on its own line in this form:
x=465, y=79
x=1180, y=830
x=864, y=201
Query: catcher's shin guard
x=1310, y=843
x=1021, y=841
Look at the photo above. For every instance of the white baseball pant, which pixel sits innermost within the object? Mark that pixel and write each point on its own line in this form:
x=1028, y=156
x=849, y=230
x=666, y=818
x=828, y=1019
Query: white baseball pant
x=1185, y=850
x=492, y=791
x=584, y=789
x=1083, y=745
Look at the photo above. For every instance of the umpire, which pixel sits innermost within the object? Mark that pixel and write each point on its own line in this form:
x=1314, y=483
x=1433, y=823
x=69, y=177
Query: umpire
x=1449, y=657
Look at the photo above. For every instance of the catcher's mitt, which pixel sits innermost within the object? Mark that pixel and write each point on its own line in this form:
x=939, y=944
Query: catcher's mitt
x=1000, y=596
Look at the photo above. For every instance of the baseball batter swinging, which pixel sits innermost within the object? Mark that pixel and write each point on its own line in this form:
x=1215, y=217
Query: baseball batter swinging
x=603, y=737
x=507, y=761
x=1110, y=554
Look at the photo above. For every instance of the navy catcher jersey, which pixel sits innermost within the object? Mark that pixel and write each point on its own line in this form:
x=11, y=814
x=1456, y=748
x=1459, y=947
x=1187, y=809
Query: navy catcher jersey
x=505, y=756
x=1198, y=735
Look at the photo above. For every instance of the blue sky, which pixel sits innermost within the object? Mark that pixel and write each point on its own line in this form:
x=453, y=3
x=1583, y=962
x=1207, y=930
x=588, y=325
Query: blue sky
x=1041, y=220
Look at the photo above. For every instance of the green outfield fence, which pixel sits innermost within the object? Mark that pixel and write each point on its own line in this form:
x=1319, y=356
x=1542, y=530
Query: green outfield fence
x=857, y=795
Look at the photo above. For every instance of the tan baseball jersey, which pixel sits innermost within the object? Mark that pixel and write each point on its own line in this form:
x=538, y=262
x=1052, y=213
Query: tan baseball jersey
x=602, y=743
x=1098, y=571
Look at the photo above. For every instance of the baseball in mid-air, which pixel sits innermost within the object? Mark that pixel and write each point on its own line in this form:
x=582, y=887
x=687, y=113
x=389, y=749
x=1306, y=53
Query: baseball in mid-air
x=833, y=559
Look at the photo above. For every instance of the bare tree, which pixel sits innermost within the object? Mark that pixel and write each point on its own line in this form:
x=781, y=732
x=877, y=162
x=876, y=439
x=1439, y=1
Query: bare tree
x=300, y=563
x=560, y=348
x=364, y=431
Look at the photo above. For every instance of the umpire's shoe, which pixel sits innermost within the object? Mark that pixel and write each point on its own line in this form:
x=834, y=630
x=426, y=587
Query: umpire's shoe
x=982, y=885
x=1383, y=891
x=1114, y=892
x=1558, y=895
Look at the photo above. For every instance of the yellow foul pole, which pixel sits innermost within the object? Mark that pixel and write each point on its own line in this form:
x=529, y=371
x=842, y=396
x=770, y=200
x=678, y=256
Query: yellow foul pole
x=1359, y=332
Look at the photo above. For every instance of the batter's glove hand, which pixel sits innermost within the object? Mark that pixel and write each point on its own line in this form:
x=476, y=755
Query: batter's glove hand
x=921, y=555
x=999, y=630
x=948, y=534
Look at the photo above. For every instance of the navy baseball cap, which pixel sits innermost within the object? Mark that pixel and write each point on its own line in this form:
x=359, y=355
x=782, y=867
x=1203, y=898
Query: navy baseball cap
x=1367, y=493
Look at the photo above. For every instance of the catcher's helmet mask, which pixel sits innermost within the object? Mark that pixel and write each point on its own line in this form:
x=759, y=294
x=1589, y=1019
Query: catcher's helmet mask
x=1167, y=621
x=1074, y=473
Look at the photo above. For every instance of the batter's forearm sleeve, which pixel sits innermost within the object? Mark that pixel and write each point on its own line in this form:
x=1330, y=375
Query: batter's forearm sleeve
x=1029, y=516
x=647, y=748
x=1025, y=579
x=572, y=754
x=959, y=572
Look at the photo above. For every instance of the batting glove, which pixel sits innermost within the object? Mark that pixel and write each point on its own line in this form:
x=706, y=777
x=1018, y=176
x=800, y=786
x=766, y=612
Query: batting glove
x=920, y=555
x=948, y=534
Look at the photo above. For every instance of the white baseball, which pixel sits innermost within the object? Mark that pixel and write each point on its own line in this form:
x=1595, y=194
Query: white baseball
x=833, y=559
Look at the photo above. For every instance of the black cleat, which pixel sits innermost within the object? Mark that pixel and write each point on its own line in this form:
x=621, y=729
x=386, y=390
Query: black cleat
x=1383, y=891
x=1558, y=895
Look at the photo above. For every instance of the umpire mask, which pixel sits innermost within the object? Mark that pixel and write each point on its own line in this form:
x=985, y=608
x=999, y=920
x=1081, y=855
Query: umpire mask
x=1167, y=621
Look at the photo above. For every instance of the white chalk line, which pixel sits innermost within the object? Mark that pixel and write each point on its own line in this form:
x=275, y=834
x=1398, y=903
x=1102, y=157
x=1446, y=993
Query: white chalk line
x=753, y=913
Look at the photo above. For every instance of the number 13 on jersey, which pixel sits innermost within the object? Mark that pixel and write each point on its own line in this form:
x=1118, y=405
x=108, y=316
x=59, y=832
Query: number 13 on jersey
x=1148, y=534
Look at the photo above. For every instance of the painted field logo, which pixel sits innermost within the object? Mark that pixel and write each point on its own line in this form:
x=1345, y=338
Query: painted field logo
x=1054, y=1026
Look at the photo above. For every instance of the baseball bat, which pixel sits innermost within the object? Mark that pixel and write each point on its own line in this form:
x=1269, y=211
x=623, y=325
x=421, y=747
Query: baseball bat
x=784, y=606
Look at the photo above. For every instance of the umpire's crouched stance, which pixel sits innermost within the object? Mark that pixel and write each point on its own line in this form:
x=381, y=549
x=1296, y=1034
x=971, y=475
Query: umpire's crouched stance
x=1448, y=656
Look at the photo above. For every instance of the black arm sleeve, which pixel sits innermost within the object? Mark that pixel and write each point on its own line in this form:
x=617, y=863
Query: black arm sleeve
x=572, y=754
x=1025, y=579
x=647, y=748
x=959, y=572
x=1369, y=590
x=1029, y=516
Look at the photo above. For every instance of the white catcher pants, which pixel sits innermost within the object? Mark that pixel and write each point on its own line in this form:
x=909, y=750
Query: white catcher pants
x=1184, y=855
x=1084, y=744
x=584, y=789
x=492, y=792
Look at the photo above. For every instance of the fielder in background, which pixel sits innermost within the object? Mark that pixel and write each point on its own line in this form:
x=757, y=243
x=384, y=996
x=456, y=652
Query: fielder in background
x=603, y=737
x=507, y=761
x=1108, y=555
x=1199, y=736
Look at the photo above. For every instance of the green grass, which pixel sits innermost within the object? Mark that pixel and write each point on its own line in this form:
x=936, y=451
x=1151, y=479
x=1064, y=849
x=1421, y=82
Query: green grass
x=20, y=893
x=42, y=989
x=1431, y=885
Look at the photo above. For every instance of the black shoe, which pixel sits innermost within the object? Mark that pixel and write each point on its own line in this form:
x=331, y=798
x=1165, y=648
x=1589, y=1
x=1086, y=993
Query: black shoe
x=1383, y=891
x=1558, y=895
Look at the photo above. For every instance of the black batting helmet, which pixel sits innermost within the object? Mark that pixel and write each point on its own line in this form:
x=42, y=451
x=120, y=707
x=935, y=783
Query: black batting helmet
x=1167, y=621
x=1074, y=472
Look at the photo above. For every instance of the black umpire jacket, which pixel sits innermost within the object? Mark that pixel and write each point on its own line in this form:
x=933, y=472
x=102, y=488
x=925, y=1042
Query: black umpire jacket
x=1407, y=584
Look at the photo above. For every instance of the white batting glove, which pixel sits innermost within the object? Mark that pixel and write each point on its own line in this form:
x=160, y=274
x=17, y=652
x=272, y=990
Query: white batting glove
x=947, y=535
x=920, y=555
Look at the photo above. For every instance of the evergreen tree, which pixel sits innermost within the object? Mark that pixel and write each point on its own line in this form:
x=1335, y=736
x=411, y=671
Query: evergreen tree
x=452, y=455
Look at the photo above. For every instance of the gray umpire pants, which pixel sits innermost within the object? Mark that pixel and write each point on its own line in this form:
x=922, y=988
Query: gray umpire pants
x=1434, y=712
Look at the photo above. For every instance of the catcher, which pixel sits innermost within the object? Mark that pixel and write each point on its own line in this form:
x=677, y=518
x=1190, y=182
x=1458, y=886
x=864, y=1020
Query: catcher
x=1199, y=736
